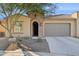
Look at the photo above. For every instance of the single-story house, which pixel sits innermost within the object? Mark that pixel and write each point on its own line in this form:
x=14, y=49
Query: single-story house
x=55, y=25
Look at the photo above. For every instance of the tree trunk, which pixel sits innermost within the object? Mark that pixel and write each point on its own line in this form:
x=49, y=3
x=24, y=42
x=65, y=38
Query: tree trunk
x=10, y=35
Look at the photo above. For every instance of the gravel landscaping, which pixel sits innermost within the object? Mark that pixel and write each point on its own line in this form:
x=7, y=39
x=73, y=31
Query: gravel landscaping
x=35, y=45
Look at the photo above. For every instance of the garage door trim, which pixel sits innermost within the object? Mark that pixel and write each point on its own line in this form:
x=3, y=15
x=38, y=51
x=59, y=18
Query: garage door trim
x=59, y=23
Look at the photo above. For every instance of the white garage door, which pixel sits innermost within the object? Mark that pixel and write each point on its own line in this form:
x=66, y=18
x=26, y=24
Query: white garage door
x=58, y=29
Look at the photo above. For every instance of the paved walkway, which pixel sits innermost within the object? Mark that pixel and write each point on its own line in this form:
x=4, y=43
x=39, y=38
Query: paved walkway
x=13, y=50
x=63, y=46
x=17, y=52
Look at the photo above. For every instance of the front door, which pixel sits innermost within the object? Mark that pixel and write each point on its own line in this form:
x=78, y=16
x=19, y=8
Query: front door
x=35, y=29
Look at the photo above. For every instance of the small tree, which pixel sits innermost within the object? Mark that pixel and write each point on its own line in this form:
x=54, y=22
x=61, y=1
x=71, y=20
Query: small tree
x=11, y=13
x=33, y=10
x=37, y=9
x=7, y=10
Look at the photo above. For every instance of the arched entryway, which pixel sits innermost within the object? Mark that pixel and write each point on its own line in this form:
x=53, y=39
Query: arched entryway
x=35, y=28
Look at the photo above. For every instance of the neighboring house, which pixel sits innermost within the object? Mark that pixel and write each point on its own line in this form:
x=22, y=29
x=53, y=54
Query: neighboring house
x=2, y=31
x=57, y=25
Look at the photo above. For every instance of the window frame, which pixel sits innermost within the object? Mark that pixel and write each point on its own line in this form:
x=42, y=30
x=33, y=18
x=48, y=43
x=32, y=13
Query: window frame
x=21, y=31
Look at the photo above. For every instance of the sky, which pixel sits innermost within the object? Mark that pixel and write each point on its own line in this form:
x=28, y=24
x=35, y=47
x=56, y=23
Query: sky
x=67, y=8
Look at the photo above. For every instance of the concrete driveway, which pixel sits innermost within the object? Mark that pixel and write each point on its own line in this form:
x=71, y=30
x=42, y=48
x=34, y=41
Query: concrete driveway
x=67, y=46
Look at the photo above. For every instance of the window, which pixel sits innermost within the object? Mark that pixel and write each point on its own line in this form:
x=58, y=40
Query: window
x=18, y=26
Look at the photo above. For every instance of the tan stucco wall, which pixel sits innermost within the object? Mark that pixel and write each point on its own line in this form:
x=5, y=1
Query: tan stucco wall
x=27, y=24
x=71, y=21
x=77, y=25
x=76, y=16
x=26, y=27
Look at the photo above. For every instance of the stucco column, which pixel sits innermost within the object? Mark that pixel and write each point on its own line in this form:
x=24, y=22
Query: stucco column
x=41, y=28
x=77, y=24
x=41, y=31
x=77, y=27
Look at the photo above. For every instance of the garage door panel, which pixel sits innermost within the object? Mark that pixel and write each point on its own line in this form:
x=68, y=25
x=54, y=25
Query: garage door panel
x=57, y=29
